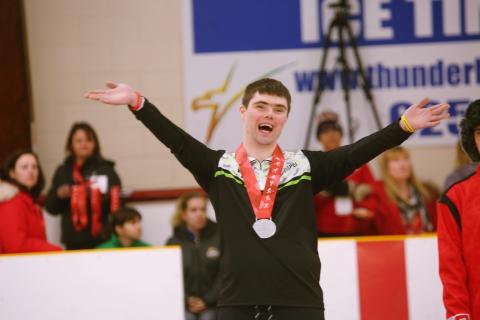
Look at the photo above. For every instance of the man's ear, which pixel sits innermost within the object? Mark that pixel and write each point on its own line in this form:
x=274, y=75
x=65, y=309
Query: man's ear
x=242, y=110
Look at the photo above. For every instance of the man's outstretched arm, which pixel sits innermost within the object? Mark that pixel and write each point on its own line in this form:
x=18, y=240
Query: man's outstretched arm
x=330, y=167
x=200, y=160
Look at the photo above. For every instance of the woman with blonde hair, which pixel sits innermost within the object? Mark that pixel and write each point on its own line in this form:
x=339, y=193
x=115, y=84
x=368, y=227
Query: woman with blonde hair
x=200, y=241
x=404, y=204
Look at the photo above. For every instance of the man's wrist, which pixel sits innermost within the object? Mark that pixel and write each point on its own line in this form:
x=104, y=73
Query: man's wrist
x=406, y=125
x=136, y=102
x=402, y=125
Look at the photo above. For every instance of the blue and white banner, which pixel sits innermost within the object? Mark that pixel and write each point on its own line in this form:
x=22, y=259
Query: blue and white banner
x=410, y=49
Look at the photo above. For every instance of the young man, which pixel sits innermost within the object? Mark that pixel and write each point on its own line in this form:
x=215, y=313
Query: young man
x=459, y=231
x=270, y=263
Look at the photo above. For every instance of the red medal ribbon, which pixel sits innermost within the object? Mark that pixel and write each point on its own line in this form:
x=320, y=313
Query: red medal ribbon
x=79, y=207
x=78, y=203
x=114, y=198
x=262, y=203
x=96, y=205
x=78, y=199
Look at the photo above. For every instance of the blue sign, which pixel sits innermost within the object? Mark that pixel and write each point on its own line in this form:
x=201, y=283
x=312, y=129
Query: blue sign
x=250, y=25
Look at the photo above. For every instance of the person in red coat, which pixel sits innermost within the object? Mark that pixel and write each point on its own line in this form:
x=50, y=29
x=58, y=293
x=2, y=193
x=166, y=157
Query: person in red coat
x=404, y=204
x=343, y=209
x=22, y=228
x=459, y=231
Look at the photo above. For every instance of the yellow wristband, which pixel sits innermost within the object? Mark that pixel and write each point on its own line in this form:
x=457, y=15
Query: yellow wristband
x=407, y=125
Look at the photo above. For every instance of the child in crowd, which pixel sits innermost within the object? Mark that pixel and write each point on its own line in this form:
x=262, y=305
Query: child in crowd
x=125, y=230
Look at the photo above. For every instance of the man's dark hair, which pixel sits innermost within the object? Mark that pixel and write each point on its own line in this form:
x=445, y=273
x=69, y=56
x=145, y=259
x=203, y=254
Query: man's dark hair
x=266, y=86
x=468, y=125
x=89, y=131
x=122, y=216
x=10, y=164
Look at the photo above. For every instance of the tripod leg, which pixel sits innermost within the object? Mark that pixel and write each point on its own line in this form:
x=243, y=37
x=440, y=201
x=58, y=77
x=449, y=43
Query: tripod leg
x=319, y=90
x=364, y=80
x=346, y=72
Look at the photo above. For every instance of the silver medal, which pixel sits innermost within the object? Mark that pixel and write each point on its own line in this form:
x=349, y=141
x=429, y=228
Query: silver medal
x=265, y=228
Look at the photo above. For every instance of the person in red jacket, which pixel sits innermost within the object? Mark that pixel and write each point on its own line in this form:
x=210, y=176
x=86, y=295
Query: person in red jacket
x=22, y=228
x=343, y=209
x=404, y=204
x=459, y=231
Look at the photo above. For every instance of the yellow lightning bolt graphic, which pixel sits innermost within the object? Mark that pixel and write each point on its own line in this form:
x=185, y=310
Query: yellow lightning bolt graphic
x=205, y=101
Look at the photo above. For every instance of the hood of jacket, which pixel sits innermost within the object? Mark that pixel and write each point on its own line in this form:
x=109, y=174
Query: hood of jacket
x=7, y=191
x=208, y=231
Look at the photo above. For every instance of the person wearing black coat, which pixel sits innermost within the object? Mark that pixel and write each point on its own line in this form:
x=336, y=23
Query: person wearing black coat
x=84, y=190
x=200, y=242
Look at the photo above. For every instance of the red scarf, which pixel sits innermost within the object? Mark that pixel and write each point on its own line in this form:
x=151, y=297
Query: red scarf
x=78, y=202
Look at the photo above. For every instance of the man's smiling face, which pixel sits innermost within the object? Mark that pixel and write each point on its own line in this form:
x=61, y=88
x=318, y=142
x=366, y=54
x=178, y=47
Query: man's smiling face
x=264, y=118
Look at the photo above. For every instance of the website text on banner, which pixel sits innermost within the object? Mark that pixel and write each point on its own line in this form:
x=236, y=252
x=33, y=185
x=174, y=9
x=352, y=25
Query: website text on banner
x=411, y=48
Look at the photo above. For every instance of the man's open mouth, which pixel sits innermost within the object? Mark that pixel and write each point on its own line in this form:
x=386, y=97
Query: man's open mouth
x=266, y=127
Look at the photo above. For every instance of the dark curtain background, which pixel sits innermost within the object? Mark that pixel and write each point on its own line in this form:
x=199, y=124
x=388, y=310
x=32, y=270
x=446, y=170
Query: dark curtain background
x=15, y=103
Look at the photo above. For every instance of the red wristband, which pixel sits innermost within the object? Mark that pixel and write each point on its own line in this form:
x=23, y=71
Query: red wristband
x=137, y=103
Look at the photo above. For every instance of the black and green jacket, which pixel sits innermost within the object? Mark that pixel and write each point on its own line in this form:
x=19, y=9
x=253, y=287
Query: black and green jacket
x=283, y=270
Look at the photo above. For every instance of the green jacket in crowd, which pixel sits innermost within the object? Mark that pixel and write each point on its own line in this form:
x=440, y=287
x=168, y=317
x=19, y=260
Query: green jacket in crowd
x=115, y=243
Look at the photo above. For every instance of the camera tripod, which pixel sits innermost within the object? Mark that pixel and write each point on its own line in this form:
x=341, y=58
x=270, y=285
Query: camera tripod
x=340, y=23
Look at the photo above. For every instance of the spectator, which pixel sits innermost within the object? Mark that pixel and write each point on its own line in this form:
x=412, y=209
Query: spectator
x=200, y=242
x=85, y=188
x=124, y=230
x=464, y=168
x=343, y=208
x=22, y=228
x=459, y=231
x=404, y=205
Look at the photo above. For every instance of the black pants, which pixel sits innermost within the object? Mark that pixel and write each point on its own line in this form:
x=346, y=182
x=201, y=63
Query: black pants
x=269, y=313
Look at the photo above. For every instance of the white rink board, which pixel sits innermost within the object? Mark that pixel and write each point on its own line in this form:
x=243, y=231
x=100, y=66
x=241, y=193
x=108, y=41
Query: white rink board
x=118, y=284
x=339, y=279
x=423, y=281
